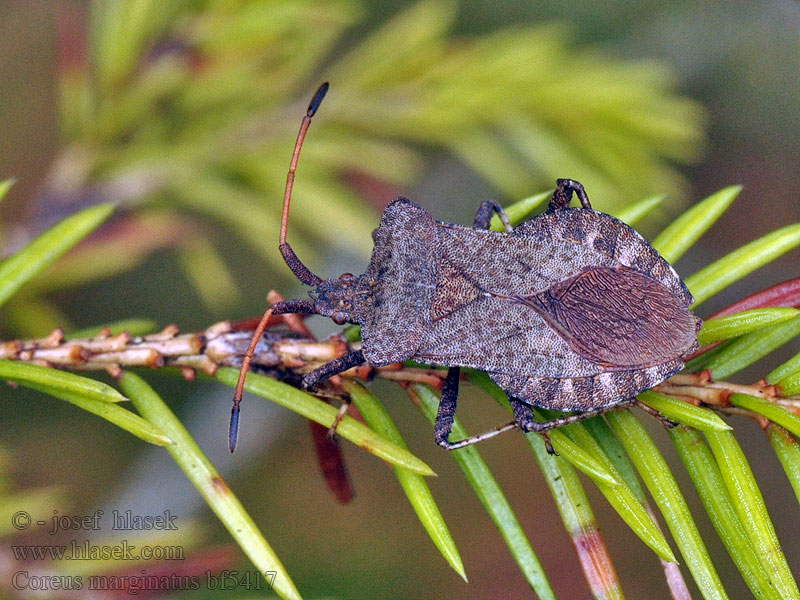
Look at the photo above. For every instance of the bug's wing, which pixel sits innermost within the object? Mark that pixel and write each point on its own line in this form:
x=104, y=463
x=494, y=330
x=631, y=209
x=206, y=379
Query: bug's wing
x=617, y=317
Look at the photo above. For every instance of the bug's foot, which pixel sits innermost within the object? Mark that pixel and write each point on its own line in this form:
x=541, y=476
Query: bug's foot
x=548, y=444
x=339, y=416
x=654, y=413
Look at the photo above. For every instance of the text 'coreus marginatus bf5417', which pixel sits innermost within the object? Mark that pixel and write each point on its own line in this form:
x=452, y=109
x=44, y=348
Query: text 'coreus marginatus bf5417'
x=572, y=310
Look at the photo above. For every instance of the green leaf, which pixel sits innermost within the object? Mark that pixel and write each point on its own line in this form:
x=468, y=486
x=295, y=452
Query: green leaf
x=700, y=362
x=491, y=496
x=582, y=458
x=579, y=521
x=790, y=385
x=785, y=369
x=773, y=412
x=632, y=213
x=352, y=333
x=206, y=479
x=723, y=328
x=325, y=414
x=601, y=432
x=414, y=485
x=750, y=507
x=749, y=348
x=45, y=249
x=683, y=412
x=621, y=497
x=684, y=231
x=787, y=449
x=24, y=374
x=111, y=412
x=732, y=267
x=707, y=479
x=578, y=457
x=660, y=482
x=618, y=494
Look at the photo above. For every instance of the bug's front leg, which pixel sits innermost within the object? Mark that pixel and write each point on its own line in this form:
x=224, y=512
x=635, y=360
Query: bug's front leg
x=483, y=217
x=329, y=369
x=334, y=367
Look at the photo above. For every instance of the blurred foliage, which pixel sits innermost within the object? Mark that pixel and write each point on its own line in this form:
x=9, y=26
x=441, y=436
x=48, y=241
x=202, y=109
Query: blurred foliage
x=195, y=105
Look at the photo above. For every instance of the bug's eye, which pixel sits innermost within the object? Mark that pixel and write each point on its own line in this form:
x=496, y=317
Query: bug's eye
x=339, y=318
x=346, y=277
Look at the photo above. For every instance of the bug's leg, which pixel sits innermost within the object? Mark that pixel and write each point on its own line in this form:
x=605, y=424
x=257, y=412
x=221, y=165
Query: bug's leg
x=527, y=423
x=563, y=195
x=329, y=369
x=339, y=416
x=447, y=413
x=447, y=408
x=654, y=413
x=483, y=217
x=523, y=415
x=334, y=367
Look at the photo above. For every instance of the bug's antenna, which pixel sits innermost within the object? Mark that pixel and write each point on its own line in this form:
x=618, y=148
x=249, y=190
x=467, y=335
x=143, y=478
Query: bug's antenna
x=233, y=432
x=283, y=307
x=302, y=272
x=298, y=268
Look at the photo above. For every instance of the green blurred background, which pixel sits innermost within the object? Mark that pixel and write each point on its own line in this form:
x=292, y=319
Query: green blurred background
x=184, y=114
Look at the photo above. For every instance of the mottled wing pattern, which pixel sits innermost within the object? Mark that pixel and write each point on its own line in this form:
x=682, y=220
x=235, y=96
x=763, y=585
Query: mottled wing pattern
x=499, y=335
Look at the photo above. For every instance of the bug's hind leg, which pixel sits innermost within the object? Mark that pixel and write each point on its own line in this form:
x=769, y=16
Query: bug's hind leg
x=527, y=422
x=483, y=217
x=563, y=195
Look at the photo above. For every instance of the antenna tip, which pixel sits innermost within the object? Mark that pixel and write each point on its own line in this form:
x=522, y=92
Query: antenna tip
x=317, y=99
x=233, y=432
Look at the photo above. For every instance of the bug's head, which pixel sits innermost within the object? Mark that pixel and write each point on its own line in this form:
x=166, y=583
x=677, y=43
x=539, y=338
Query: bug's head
x=342, y=299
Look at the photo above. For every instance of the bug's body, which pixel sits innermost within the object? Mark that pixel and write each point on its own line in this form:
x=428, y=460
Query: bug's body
x=573, y=310
x=570, y=311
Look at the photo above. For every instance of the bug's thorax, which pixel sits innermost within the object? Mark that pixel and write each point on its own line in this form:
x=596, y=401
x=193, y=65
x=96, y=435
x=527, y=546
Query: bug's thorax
x=346, y=299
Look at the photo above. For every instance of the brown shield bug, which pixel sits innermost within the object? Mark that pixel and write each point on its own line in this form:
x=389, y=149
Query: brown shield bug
x=572, y=310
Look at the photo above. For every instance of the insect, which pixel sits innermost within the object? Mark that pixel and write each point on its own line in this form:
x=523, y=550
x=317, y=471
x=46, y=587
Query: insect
x=572, y=310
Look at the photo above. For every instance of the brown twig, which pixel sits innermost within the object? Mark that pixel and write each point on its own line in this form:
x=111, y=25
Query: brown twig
x=290, y=354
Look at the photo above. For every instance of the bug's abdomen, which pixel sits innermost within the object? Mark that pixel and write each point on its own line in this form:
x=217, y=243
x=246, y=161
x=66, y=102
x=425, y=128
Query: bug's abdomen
x=584, y=393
